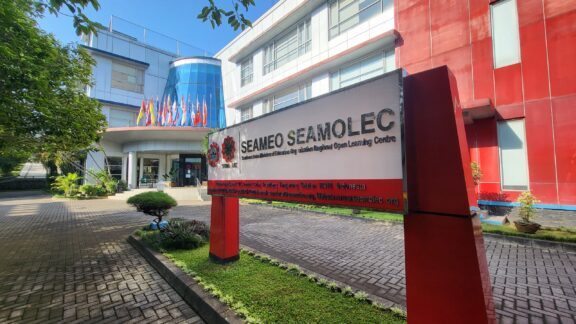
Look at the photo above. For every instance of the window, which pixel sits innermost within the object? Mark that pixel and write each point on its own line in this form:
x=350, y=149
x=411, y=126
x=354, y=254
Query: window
x=114, y=165
x=345, y=14
x=122, y=118
x=267, y=105
x=505, y=34
x=363, y=69
x=513, y=161
x=291, y=96
x=294, y=43
x=127, y=77
x=246, y=72
x=245, y=113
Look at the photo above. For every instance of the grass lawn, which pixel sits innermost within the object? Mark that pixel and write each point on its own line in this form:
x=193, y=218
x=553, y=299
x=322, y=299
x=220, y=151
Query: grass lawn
x=330, y=210
x=550, y=234
x=271, y=294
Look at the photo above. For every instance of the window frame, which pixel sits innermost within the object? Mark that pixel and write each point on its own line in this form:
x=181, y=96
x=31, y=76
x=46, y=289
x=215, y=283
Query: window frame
x=501, y=160
x=384, y=56
x=249, y=109
x=303, y=44
x=136, y=87
x=518, y=59
x=246, y=77
x=337, y=26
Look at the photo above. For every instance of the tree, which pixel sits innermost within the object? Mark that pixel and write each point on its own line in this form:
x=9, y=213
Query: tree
x=236, y=19
x=43, y=104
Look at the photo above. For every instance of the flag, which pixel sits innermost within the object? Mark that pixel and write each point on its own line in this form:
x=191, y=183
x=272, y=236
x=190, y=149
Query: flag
x=169, y=120
x=141, y=113
x=152, y=113
x=174, y=112
x=183, y=122
x=148, y=120
x=159, y=109
x=164, y=112
x=197, y=117
x=192, y=114
x=204, y=113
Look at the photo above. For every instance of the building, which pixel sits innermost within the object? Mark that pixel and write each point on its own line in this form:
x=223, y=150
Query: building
x=133, y=72
x=513, y=61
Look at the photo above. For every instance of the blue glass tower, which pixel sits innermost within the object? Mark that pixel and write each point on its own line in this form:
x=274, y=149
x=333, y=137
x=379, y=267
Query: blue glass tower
x=198, y=82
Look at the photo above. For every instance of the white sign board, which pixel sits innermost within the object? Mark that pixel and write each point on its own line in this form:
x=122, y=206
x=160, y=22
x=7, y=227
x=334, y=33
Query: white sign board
x=343, y=148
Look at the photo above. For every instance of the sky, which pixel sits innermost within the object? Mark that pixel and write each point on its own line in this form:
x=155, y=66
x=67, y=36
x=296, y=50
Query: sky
x=173, y=18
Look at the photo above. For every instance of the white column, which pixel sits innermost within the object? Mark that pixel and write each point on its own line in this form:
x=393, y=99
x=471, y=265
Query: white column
x=132, y=167
x=141, y=168
x=162, y=166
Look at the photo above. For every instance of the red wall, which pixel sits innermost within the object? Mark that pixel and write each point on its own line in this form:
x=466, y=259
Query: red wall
x=541, y=89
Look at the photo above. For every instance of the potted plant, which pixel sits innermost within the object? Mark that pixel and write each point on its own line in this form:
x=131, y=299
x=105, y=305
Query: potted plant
x=527, y=213
x=154, y=203
x=476, y=172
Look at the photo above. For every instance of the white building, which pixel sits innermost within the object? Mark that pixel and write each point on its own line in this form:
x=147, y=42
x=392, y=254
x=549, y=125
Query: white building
x=130, y=70
x=301, y=49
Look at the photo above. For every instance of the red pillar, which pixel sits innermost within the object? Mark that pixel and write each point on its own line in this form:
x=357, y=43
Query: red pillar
x=447, y=275
x=224, y=229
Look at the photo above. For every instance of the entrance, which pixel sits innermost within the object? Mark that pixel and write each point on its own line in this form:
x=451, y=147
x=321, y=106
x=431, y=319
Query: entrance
x=192, y=170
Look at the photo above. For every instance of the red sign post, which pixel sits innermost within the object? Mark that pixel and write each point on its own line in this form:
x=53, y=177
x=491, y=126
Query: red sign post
x=446, y=271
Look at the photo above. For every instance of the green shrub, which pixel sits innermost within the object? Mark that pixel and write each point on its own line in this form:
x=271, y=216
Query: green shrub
x=361, y=296
x=68, y=184
x=90, y=190
x=153, y=203
x=527, y=212
x=122, y=185
x=183, y=235
x=111, y=186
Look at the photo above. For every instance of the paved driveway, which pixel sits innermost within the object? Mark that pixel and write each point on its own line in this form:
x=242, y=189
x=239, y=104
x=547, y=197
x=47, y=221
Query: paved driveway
x=68, y=260
x=529, y=284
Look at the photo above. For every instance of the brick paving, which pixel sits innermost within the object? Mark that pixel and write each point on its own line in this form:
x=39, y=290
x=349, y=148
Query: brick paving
x=68, y=261
x=530, y=285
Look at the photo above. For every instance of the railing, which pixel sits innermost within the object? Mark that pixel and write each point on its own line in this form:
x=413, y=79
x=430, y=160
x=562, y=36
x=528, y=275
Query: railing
x=137, y=33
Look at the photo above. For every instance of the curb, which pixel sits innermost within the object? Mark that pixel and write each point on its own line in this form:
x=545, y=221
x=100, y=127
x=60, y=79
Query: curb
x=508, y=239
x=208, y=308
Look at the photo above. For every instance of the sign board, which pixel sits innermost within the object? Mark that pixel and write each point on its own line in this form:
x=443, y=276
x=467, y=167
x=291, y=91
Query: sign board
x=343, y=148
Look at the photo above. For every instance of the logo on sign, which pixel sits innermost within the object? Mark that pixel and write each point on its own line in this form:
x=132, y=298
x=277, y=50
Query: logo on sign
x=213, y=155
x=228, y=149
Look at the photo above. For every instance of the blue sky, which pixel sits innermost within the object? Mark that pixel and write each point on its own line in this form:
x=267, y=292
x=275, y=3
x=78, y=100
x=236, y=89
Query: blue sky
x=174, y=18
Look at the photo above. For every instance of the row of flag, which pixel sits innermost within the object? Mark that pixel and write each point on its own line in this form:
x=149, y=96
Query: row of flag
x=168, y=113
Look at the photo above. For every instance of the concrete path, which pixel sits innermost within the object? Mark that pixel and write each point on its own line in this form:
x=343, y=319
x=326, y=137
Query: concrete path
x=68, y=261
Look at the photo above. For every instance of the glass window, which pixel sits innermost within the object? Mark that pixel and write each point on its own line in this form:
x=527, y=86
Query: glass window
x=122, y=118
x=364, y=69
x=505, y=34
x=513, y=160
x=267, y=106
x=246, y=71
x=295, y=42
x=292, y=96
x=150, y=173
x=114, y=165
x=345, y=14
x=245, y=113
x=127, y=77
